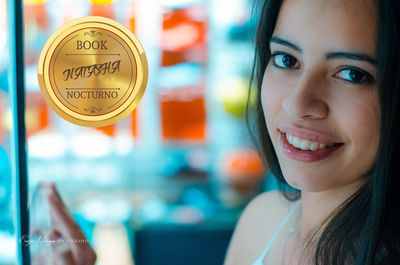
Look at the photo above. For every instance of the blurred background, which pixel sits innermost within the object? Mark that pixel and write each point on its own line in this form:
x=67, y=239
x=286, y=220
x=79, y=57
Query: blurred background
x=167, y=184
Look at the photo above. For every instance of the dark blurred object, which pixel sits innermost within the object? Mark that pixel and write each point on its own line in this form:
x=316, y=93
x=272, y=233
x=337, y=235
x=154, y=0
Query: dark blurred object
x=179, y=245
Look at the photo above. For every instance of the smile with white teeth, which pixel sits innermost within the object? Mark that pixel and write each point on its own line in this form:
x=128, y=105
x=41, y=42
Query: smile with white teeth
x=305, y=144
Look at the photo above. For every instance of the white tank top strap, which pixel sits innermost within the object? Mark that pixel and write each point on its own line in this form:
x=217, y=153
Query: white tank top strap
x=260, y=260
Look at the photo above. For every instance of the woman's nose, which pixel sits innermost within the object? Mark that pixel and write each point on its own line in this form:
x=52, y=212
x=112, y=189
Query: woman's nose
x=306, y=100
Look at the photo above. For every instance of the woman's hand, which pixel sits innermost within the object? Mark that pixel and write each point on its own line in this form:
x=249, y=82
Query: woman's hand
x=74, y=249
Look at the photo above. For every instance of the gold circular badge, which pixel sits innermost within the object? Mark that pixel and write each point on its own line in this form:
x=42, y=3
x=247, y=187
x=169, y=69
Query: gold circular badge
x=92, y=71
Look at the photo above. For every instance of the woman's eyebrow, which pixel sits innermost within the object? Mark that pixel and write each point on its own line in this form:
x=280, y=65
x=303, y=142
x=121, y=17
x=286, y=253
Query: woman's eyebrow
x=352, y=56
x=285, y=43
x=330, y=55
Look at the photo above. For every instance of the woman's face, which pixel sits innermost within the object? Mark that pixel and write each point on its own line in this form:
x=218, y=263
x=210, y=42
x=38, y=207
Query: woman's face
x=320, y=94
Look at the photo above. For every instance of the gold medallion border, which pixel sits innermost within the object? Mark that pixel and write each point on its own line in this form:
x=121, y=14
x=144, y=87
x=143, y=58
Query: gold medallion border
x=139, y=57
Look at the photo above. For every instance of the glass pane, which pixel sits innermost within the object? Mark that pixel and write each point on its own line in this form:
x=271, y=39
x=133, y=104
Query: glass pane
x=8, y=241
x=182, y=158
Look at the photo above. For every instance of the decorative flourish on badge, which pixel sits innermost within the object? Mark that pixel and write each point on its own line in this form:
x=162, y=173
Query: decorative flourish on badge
x=92, y=33
x=93, y=109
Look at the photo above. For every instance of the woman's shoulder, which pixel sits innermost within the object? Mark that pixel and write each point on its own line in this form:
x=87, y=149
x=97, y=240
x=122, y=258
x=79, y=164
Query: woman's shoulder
x=266, y=208
x=270, y=198
x=258, y=222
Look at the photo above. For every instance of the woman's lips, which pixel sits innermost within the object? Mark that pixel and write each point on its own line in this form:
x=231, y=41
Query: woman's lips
x=304, y=155
x=308, y=134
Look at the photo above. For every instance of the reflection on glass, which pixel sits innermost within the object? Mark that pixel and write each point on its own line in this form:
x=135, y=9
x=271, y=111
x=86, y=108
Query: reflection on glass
x=168, y=162
x=40, y=227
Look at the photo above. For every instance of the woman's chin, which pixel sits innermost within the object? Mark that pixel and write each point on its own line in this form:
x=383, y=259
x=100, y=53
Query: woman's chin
x=307, y=183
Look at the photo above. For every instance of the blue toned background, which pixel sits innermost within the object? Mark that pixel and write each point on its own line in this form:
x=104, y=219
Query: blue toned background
x=167, y=184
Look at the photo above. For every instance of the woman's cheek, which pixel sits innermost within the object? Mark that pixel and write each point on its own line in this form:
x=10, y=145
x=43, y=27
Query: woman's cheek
x=360, y=109
x=359, y=121
x=273, y=92
x=366, y=124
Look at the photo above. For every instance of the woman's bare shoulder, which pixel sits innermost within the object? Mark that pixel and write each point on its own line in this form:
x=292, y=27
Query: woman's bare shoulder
x=255, y=227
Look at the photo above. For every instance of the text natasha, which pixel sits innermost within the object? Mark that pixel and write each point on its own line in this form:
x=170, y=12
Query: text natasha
x=89, y=70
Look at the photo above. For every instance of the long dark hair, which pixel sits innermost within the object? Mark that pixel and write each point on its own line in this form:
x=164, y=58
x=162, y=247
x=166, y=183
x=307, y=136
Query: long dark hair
x=365, y=229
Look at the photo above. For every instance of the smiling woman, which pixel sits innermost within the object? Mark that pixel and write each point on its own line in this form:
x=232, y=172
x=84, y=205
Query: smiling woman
x=318, y=87
x=327, y=120
x=328, y=75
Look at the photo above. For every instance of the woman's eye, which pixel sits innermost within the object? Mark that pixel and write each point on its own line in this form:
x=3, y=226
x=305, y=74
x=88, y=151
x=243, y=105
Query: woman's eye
x=283, y=60
x=356, y=76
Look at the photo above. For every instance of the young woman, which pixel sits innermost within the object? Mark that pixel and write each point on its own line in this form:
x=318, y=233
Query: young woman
x=328, y=74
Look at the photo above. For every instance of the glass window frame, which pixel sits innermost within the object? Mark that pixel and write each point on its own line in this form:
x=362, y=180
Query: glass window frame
x=18, y=140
